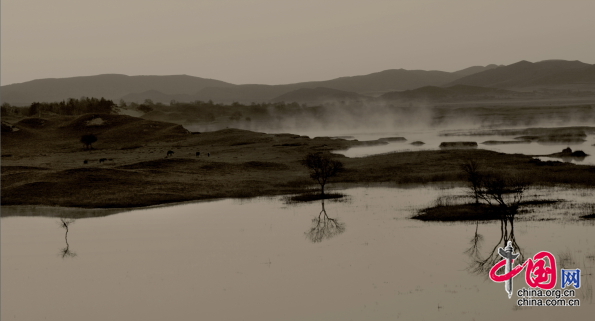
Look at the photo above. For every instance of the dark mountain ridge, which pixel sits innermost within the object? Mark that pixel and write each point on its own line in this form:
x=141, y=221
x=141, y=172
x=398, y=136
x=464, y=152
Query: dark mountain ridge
x=183, y=88
x=188, y=88
x=527, y=74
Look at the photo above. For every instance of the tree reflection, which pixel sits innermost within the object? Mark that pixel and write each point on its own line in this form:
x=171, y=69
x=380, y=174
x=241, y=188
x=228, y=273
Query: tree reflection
x=65, y=223
x=324, y=227
x=481, y=264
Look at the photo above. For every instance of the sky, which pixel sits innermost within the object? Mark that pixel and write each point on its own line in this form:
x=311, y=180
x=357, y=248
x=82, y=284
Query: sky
x=284, y=41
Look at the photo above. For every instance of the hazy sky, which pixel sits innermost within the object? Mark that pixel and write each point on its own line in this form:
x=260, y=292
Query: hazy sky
x=273, y=42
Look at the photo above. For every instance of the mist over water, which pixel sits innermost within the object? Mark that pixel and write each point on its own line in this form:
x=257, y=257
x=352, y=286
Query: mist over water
x=422, y=122
x=336, y=118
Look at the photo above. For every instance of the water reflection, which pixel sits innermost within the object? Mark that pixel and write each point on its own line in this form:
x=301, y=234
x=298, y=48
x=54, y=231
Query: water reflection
x=482, y=264
x=65, y=223
x=324, y=227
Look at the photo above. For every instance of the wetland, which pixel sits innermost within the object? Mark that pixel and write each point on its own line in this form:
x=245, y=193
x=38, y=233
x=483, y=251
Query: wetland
x=152, y=235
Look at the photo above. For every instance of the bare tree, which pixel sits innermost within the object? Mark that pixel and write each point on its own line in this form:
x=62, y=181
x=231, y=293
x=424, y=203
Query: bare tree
x=472, y=169
x=504, y=191
x=322, y=167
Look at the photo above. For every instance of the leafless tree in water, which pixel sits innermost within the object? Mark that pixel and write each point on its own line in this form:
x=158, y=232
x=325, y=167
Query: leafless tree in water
x=505, y=192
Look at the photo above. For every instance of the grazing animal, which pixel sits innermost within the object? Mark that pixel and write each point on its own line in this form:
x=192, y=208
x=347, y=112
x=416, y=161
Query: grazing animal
x=85, y=161
x=170, y=153
x=197, y=154
x=208, y=154
x=102, y=160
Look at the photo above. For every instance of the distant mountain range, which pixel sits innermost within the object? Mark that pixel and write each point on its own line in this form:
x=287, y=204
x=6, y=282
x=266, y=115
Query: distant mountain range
x=525, y=74
x=522, y=75
x=460, y=92
x=319, y=94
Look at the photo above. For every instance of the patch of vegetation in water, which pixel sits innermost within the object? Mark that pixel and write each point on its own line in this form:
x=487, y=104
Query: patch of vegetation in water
x=308, y=197
x=505, y=142
x=393, y=139
x=458, y=145
x=469, y=212
x=462, y=212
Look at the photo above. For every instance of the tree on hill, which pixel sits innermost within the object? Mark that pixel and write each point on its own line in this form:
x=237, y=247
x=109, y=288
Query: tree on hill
x=322, y=167
x=88, y=140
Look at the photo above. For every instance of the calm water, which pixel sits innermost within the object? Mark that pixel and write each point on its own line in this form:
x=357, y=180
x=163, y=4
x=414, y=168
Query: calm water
x=432, y=140
x=256, y=260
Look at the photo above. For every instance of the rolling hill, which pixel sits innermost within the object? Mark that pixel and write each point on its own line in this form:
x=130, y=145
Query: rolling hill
x=63, y=132
x=109, y=86
x=474, y=70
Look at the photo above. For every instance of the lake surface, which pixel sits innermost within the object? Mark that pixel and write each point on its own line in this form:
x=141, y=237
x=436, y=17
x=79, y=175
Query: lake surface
x=259, y=259
x=433, y=138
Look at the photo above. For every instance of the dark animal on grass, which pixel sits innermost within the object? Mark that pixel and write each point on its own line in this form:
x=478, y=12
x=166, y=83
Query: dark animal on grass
x=102, y=160
x=88, y=140
x=170, y=153
x=197, y=154
x=208, y=154
x=322, y=167
x=85, y=161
